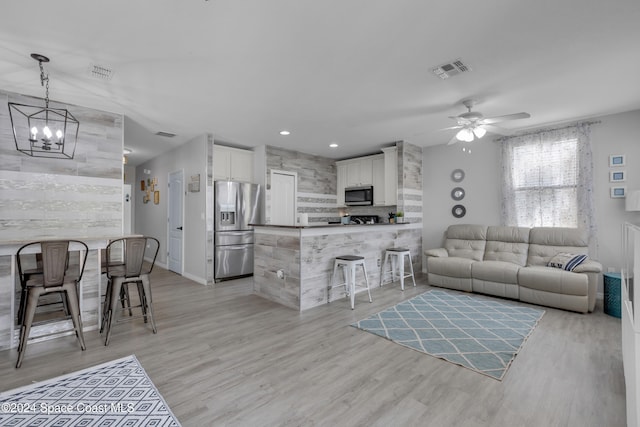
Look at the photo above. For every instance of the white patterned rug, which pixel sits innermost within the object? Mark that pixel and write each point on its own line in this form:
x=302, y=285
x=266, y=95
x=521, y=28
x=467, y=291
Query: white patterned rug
x=116, y=393
x=479, y=333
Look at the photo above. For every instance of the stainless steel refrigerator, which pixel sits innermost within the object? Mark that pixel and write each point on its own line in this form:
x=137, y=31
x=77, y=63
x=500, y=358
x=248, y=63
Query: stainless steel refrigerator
x=237, y=204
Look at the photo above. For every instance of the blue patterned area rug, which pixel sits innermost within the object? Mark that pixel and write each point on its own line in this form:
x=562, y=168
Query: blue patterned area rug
x=116, y=393
x=479, y=333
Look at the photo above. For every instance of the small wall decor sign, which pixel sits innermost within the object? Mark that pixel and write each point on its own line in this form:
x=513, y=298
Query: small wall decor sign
x=617, y=176
x=618, y=192
x=616, y=160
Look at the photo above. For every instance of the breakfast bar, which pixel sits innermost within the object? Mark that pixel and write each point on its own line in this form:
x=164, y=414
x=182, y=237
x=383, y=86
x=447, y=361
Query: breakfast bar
x=293, y=264
x=89, y=293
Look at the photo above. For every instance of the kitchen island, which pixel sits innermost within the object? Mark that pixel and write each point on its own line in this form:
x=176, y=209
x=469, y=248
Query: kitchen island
x=293, y=264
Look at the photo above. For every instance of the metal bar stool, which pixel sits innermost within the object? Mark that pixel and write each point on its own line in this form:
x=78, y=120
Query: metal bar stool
x=56, y=277
x=348, y=264
x=125, y=264
x=397, y=256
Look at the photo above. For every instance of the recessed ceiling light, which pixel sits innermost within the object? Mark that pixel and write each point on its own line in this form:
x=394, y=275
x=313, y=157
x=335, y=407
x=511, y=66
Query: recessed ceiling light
x=333, y=145
x=285, y=132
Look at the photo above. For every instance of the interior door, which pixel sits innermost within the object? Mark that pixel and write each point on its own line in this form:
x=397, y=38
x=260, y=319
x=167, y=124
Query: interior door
x=175, y=209
x=283, y=197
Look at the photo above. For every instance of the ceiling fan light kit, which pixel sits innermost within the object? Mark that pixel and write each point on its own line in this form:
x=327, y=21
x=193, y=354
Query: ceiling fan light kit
x=473, y=124
x=43, y=131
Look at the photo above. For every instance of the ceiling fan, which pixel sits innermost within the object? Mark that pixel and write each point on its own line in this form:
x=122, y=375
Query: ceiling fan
x=473, y=124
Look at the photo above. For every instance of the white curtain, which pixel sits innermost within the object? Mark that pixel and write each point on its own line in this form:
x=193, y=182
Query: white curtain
x=547, y=179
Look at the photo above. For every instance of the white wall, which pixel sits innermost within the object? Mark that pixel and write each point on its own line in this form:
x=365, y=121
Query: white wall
x=151, y=219
x=615, y=134
x=481, y=184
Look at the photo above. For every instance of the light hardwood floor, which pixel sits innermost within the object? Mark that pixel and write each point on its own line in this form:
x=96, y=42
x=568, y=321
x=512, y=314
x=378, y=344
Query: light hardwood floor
x=223, y=356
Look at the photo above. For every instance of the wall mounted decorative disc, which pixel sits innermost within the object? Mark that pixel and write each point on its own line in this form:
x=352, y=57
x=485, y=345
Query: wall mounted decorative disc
x=457, y=175
x=458, y=211
x=457, y=193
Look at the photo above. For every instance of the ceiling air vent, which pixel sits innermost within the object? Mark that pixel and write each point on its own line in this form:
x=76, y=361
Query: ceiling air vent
x=166, y=134
x=450, y=69
x=100, y=72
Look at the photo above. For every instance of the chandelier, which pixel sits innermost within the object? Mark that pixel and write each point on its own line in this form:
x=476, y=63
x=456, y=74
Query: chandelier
x=44, y=131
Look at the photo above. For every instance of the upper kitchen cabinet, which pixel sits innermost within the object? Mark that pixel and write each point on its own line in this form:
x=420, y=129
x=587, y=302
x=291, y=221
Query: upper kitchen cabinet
x=379, y=191
x=379, y=170
x=360, y=172
x=341, y=182
x=232, y=164
x=390, y=176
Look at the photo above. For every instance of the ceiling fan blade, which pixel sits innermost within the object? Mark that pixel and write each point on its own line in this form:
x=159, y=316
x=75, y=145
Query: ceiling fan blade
x=498, y=130
x=453, y=140
x=498, y=119
x=452, y=127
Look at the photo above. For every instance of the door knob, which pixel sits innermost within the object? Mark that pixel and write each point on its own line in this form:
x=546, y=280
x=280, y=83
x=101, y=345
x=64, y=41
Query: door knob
x=179, y=228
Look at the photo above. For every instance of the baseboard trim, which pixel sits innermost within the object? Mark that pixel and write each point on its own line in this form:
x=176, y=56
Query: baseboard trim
x=196, y=279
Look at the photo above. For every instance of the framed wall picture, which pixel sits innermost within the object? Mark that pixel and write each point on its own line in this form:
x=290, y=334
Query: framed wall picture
x=617, y=176
x=616, y=160
x=618, y=192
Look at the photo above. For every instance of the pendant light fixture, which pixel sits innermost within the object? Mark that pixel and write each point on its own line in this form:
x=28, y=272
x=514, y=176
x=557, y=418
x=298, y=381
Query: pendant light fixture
x=44, y=131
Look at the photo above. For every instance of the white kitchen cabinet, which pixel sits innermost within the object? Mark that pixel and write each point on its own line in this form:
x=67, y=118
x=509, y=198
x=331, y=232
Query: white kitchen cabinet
x=379, y=190
x=341, y=182
x=232, y=164
x=379, y=170
x=360, y=172
x=390, y=176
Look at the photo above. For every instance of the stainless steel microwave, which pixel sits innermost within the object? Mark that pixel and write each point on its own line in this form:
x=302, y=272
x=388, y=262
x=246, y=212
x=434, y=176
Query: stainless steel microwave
x=358, y=196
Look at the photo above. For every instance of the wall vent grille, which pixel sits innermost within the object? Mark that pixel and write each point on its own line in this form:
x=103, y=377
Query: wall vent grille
x=100, y=72
x=166, y=134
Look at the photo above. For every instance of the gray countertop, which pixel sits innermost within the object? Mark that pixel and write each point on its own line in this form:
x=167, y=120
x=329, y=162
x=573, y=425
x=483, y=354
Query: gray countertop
x=380, y=224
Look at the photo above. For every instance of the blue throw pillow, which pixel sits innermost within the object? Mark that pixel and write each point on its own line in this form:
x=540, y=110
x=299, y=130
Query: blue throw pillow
x=566, y=261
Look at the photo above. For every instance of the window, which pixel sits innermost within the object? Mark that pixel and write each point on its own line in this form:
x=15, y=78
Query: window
x=547, y=179
x=545, y=184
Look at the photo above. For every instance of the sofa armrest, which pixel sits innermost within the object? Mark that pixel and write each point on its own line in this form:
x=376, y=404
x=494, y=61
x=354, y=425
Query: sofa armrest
x=589, y=266
x=438, y=252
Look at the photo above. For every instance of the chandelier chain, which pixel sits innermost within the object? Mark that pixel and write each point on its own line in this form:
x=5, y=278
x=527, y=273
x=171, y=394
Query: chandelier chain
x=44, y=78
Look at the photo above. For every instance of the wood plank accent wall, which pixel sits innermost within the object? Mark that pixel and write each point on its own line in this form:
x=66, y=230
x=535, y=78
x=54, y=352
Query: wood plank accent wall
x=316, y=182
x=71, y=198
x=42, y=197
x=410, y=181
x=209, y=212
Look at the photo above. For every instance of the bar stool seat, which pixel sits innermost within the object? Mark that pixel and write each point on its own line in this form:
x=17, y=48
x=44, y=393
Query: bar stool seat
x=397, y=256
x=124, y=265
x=56, y=278
x=348, y=264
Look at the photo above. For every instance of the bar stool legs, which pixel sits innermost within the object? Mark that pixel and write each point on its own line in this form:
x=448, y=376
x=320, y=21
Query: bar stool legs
x=348, y=264
x=397, y=256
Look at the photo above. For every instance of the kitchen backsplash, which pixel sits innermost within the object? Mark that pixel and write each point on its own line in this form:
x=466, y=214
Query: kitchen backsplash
x=381, y=211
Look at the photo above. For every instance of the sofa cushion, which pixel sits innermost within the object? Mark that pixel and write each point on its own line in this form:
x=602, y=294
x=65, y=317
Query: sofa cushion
x=546, y=242
x=466, y=241
x=566, y=261
x=510, y=244
x=496, y=271
x=450, y=266
x=554, y=280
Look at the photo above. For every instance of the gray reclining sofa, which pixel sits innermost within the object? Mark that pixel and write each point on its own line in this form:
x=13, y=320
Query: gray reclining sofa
x=514, y=262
